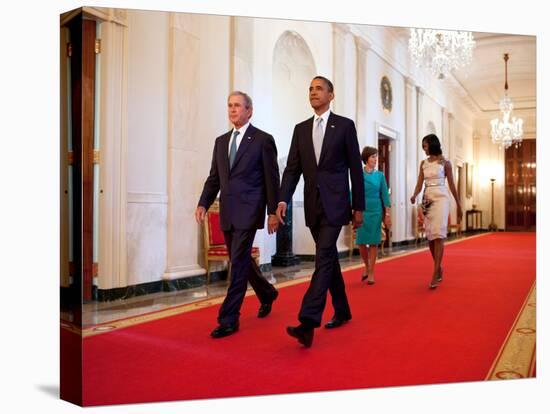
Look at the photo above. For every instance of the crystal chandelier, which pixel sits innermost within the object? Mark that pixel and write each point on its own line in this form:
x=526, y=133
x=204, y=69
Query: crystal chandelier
x=441, y=51
x=506, y=131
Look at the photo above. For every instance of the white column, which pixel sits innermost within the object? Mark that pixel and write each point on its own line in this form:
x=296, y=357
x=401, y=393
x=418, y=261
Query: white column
x=362, y=47
x=113, y=256
x=411, y=153
x=476, y=193
x=451, y=136
x=344, y=79
x=242, y=55
x=241, y=78
x=445, y=132
x=182, y=231
x=420, y=94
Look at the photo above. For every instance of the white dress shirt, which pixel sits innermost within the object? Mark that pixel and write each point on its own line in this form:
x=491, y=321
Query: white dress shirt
x=242, y=131
x=325, y=121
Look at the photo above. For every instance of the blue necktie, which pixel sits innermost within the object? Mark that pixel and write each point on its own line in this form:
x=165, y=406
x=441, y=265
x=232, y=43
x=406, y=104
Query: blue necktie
x=233, y=149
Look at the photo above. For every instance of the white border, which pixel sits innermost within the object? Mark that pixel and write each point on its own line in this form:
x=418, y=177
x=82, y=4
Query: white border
x=29, y=211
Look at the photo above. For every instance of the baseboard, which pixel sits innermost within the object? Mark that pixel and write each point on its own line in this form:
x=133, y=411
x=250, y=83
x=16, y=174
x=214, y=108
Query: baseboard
x=107, y=295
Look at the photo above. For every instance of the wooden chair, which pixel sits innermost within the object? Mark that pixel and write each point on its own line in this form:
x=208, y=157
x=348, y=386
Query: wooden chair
x=215, y=249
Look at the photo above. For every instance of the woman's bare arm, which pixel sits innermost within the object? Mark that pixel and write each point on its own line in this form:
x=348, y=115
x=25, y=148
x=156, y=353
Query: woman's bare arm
x=419, y=183
x=452, y=187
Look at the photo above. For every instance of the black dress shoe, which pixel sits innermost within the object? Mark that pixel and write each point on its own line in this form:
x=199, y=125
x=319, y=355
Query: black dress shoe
x=303, y=334
x=224, y=330
x=336, y=322
x=265, y=308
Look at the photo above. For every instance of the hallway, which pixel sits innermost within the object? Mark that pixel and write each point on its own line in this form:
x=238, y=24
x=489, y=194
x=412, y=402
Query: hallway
x=402, y=333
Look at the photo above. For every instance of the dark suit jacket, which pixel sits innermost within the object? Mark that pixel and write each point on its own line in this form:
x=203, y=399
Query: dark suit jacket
x=252, y=183
x=339, y=154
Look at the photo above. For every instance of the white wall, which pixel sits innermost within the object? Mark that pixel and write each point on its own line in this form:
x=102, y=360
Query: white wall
x=214, y=87
x=147, y=101
x=210, y=120
x=147, y=142
x=238, y=53
x=394, y=125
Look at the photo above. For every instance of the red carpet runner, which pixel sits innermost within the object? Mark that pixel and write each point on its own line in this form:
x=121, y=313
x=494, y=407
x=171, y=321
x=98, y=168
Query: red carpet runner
x=402, y=333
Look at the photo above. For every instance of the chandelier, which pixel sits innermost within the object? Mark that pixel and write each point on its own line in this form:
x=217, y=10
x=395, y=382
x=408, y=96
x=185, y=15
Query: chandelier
x=441, y=51
x=506, y=131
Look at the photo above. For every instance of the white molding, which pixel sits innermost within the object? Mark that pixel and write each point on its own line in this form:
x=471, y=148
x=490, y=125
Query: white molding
x=385, y=130
x=103, y=14
x=410, y=82
x=340, y=28
x=147, y=198
x=178, y=272
x=361, y=43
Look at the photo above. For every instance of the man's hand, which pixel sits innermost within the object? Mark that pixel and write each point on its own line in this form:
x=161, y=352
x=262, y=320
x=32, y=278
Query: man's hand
x=413, y=199
x=357, y=219
x=281, y=212
x=200, y=214
x=272, y=223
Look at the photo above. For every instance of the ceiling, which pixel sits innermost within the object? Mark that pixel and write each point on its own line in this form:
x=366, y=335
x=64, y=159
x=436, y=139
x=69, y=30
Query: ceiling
x=483, y=80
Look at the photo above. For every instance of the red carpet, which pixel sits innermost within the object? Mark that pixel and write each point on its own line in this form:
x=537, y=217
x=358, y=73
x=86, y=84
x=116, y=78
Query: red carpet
x=402, y=333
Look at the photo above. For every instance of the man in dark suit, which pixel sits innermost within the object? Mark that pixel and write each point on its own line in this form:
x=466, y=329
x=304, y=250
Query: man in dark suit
x=324, y=149
x=245, y=172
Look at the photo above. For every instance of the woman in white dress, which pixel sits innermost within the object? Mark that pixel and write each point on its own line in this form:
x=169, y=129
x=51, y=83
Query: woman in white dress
x=436, y=200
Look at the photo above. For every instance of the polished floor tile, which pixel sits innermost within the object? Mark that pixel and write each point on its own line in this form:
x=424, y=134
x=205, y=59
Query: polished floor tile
x=103, y=312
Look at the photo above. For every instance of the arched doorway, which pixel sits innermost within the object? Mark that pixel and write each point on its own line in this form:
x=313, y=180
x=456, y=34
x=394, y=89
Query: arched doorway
x=293, y=69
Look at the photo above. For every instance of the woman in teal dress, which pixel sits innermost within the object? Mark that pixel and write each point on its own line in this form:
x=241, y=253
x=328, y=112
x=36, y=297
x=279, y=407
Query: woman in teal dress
x=377, y=209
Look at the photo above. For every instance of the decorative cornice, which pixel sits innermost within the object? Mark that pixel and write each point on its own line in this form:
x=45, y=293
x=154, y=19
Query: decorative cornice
x=105, y=14
x=341, y=28
x=410, y=81
x=361, y=43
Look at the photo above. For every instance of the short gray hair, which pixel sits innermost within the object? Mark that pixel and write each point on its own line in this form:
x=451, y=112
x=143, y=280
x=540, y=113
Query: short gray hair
x=247, y=99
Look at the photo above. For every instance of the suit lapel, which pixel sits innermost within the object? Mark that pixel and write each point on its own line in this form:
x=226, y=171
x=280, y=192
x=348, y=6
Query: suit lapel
x=245, y=144
x=225, y=152
x=327, y=139
x=309, y=139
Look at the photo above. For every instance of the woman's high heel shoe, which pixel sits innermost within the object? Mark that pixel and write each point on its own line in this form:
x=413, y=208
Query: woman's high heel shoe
x=440, y=278
x=435, y=283
x=364, y=277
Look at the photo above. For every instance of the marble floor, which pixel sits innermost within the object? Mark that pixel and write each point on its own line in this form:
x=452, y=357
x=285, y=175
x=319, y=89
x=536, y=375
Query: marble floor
x=96, y=313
